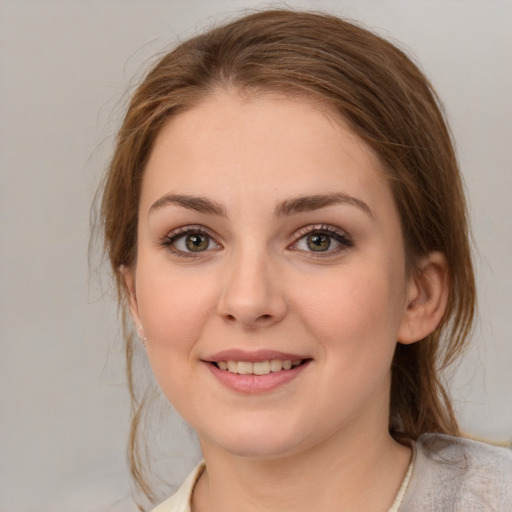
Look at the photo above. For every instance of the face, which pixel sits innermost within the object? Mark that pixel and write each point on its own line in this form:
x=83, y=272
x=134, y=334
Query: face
x=268, y=244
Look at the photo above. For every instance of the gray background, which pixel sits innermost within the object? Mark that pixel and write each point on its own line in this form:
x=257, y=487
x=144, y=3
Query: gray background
x=65, y=67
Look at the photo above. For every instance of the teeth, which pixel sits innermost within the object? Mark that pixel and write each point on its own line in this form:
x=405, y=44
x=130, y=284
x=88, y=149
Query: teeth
x=244, y=368
x=259, y=368
x=276, y=365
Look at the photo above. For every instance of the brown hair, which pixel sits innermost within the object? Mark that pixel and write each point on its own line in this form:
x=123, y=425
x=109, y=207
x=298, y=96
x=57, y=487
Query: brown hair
x=387, y=101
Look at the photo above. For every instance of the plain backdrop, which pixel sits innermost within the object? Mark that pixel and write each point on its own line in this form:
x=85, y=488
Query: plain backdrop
x=65, y=69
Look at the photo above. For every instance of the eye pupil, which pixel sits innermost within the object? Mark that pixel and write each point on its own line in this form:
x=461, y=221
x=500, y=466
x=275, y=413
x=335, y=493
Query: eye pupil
x=197, y=242
x=319, y=242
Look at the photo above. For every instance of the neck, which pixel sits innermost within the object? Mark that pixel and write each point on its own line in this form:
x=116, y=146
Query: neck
x=357, y=473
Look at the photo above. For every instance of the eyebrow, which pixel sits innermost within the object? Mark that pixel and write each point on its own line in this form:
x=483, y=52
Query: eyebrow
x=316, y=202
x=195, y=203
x=288, y=207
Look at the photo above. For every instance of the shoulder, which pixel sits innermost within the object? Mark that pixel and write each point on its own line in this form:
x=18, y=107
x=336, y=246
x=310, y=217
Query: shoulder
x=475, y=460
x=180, y=501
x=457, y=474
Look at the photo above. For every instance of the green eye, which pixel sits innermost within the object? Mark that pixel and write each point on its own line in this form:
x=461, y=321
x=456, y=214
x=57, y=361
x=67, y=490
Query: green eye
x=191, y=241
x=196, y=242
x=318, y=242
x=322, y=240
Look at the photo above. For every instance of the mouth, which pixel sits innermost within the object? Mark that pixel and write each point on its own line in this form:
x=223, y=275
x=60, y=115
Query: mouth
x=259, y=368
x=256, y=372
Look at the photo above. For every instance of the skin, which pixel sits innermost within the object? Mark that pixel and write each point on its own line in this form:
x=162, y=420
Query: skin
x=321, y=438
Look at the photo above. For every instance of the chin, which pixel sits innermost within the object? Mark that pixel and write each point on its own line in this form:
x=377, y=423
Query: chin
x=261, y=449
x=259, y=440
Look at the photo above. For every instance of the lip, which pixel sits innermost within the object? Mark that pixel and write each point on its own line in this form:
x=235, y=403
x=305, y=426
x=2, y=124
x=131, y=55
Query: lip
x=253, y=356
x=256, y=384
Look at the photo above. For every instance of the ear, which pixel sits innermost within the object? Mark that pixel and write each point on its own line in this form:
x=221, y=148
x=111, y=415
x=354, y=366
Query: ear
x=128, y=276
x=427, y=296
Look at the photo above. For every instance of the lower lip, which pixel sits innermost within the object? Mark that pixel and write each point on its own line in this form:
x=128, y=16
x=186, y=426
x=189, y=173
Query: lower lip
x=253, y=384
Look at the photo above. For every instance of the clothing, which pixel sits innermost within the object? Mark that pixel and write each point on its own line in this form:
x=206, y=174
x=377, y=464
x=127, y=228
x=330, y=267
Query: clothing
x=458, y=475
x=447, y=474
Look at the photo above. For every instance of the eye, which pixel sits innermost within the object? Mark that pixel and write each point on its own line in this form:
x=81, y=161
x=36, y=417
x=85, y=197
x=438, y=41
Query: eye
x=194, y=242
x=322, y=239
x=318, y=242
x=189, y=240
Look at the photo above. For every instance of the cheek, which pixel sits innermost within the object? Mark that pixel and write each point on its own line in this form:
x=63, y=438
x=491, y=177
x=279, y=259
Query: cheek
x=358, y=312
x=173, y=310
x=355, y=321
x=174, y=313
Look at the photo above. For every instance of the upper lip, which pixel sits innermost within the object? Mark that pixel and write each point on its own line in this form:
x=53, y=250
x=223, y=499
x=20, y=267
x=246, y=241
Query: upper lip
x=253, y=356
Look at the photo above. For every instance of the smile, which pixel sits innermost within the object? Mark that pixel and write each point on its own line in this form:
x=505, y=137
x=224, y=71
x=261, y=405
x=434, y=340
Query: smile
x=258, y=368
x=267, y=371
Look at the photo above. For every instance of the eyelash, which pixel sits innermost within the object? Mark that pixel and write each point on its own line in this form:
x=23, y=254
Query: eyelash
x=336, y=234
x=171, y=238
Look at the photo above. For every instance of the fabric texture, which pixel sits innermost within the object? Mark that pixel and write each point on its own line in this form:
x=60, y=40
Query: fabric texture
x=458, y=475
x=447, y=474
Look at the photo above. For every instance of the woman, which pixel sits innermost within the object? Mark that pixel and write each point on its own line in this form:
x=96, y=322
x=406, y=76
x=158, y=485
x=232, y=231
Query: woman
x=286, y=223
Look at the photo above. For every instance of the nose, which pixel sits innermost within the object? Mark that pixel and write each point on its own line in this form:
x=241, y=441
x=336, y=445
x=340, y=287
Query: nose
x=252, y=295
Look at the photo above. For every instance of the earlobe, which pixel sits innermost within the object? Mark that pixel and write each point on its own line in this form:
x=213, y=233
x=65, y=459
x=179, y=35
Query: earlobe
x=427, y=297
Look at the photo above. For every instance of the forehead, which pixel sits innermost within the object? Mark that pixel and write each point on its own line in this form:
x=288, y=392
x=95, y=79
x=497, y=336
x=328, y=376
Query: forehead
x=236, y=145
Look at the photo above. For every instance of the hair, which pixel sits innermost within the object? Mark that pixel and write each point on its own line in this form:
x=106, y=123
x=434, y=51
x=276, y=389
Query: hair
x=387, y=101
